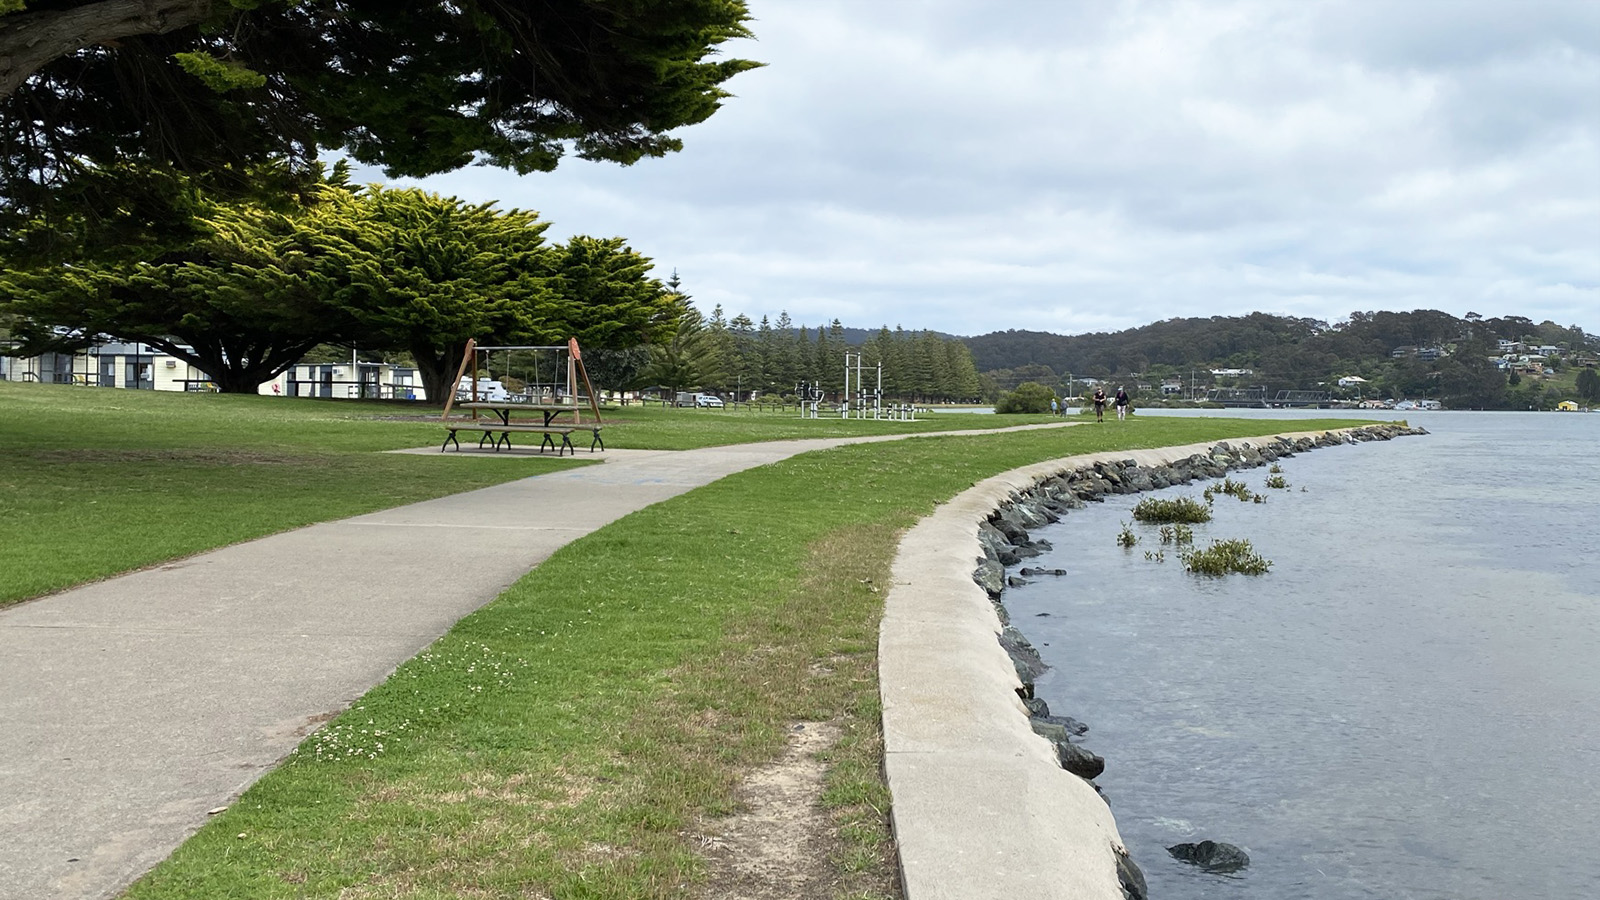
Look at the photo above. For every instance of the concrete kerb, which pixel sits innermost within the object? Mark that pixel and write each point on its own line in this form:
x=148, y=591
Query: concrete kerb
x=980, y=806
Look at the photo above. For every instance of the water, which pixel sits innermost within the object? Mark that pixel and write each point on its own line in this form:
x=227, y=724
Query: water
x=1406, y=706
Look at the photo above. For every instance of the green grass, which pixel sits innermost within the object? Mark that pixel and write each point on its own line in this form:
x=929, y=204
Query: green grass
x=99, y=482
x=571, y=738
x=657, y=428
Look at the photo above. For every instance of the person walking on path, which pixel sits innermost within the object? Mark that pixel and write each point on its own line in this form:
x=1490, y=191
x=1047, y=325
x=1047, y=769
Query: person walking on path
x=1124, y=402
x=1055, y=408
x=1099, y=404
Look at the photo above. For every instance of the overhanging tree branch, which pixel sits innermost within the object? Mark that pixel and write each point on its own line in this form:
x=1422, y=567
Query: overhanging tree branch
x=30, y=40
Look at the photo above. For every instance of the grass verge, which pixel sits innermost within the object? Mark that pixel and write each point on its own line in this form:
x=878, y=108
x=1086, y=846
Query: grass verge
x=567, y=740
x=97, y=482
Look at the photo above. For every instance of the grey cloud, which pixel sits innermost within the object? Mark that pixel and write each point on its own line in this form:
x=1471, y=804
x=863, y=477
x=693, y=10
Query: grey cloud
x=970, y=166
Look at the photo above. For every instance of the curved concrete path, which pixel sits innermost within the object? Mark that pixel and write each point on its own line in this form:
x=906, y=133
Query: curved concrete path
x=133, y=706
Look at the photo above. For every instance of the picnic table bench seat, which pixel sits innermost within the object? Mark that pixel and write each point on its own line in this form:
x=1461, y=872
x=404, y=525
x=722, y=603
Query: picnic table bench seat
x=490, y=429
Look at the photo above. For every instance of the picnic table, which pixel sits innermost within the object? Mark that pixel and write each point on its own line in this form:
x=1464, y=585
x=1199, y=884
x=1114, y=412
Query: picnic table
x=500, y=431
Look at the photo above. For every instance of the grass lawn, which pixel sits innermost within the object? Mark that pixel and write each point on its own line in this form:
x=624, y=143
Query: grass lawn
x=569, y=739
x=97, y=482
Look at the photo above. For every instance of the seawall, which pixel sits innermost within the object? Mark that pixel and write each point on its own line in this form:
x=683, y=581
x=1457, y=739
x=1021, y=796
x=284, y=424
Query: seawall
x=982, y=807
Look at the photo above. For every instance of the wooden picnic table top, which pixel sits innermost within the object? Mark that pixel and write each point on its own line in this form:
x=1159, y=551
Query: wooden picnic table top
x=507, y=404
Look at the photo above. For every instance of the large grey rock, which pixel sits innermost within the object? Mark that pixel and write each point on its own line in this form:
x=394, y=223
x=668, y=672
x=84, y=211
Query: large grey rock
x=1079, y=761
x=1130, y=876
x=1212, y=856
x=1057, y=729
x=1006, y=523
x=1023, y=655
x=991, y=576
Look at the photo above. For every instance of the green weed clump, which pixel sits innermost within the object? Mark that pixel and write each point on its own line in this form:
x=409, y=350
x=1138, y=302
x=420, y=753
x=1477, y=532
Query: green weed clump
x=1179, y=534
x=1231, y=488
x=1179, y=509
x=1126, y=538
x=1224, y=557
x=1277, y=482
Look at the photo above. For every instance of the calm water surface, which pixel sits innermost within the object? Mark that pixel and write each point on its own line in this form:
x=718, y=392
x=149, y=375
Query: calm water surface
x=1406, y=706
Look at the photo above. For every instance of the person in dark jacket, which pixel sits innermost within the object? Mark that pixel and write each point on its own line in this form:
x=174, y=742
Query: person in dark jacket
x=1099, y=404
x=1124, y=403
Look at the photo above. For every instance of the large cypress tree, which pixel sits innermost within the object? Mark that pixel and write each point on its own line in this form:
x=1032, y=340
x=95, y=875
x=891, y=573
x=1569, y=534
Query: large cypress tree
x=206, y=86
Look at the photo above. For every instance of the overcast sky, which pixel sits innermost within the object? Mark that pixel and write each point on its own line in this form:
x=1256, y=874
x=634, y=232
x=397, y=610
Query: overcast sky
x=976, y=165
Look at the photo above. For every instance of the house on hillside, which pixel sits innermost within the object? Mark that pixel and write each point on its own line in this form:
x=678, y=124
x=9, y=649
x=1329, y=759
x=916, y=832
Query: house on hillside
x=1404, y=351
x=1352, y=381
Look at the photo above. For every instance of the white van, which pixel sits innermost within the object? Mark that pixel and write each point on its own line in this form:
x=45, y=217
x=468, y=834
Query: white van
x=489, y=391
x=708, y=401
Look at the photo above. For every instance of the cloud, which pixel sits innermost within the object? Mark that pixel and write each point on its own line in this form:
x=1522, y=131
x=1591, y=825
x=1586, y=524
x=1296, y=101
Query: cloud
x=969, y=166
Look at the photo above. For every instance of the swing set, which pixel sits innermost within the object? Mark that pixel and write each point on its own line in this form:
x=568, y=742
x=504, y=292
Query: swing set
x=525, y=378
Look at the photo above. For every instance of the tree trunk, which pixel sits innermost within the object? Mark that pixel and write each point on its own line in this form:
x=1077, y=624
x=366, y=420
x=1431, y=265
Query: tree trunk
x=30, y=40
x=438, y=368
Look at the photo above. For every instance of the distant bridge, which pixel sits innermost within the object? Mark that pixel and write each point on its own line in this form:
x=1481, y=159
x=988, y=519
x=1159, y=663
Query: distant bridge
x=1301, y=398
x=1238, y=396
x=1257, y=397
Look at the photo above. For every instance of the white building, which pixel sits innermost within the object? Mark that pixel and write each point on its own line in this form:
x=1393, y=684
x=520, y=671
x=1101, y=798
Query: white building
x=143, y=367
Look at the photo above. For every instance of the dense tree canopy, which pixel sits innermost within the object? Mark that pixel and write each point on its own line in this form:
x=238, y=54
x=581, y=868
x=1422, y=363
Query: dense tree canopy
x=242, y=290
x=209, y=86
x=221, y=286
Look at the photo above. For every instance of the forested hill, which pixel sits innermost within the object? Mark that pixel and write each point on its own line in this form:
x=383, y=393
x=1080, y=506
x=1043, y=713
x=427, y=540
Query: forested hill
x=1280, y=345
x=1419, y=353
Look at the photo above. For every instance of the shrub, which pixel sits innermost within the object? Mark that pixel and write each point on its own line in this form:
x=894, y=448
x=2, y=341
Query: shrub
x=1235, y=488
x=1179, y=534
x=1225, y=556
x=1126, y=539
x=1029, y=397
x=1181, y=509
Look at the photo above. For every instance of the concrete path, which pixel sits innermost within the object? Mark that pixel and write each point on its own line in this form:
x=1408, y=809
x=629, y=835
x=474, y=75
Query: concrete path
x=133, y=706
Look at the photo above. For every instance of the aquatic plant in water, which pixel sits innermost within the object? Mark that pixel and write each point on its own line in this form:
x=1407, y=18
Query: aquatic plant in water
x=1232, y=488
x=1225, y=556
x=1179, y=534
x=1179, y=509
x=1278, y=482
x=1127, y=538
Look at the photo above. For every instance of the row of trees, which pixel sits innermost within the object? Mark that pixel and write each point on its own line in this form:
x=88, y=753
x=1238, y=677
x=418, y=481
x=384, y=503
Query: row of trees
x=243, y=288
x=741, y=358
x=775, y=356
